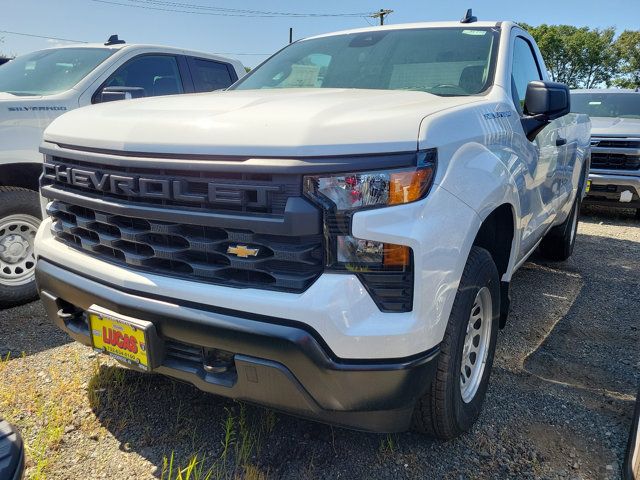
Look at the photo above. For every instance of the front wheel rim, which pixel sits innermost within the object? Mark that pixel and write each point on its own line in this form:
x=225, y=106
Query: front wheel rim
x=17, y=256
x=476, y=345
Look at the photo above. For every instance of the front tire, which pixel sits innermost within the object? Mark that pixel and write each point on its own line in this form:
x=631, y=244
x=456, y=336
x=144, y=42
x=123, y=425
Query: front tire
x=454, y=400
x=20, y=218
x=559, y=243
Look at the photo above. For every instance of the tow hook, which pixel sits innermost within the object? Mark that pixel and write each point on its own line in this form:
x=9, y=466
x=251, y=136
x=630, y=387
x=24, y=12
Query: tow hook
x=217, y=361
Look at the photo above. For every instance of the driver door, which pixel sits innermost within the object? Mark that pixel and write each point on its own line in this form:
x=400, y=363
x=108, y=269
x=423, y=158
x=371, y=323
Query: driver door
x=544, y=166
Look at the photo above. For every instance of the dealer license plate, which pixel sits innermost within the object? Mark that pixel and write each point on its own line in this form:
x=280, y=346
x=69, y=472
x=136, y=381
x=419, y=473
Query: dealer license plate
x=123, y=338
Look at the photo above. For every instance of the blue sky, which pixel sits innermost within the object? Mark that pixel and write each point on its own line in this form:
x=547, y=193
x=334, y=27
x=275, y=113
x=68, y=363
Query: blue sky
x=91, y=20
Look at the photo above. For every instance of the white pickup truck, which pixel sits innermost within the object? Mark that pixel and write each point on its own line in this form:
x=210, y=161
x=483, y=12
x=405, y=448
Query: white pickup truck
x=334, y=236
x=40, y=86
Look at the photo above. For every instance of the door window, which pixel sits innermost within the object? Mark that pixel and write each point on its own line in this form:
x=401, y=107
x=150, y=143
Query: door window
x=209, y=75
x=156, y=74
x=525, y=69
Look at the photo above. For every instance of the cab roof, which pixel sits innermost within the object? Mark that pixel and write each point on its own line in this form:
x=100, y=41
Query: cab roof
x=407, y=26
x=153, y=48
x=605, y=90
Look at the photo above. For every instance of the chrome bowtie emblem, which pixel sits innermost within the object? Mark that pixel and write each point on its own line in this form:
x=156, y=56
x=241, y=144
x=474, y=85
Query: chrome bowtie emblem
x=243, y=251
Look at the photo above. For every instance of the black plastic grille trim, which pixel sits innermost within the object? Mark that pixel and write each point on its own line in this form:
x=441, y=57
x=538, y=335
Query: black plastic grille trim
x=183, y=351
x=392, y=291
x=615, y=161
x=616, y=143
x=284, y=263
x=280, y=186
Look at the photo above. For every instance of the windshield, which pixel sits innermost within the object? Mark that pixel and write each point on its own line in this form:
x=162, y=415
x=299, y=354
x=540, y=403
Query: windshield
x=442, y=61
x=619, y=105
x=50, y=71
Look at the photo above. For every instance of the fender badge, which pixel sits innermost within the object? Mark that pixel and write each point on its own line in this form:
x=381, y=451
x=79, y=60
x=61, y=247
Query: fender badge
x=494, y=115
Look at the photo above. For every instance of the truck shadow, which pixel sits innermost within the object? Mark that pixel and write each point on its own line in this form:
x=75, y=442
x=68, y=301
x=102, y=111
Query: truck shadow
x=25, y=330
x=575, y=346
x=596, y=342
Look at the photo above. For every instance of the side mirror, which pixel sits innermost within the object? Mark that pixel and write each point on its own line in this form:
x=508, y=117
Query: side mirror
x=544, y=101
x=111, y=94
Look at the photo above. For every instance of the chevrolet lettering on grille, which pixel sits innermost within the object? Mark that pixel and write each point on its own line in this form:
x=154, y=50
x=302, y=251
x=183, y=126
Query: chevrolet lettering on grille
x=161, y=188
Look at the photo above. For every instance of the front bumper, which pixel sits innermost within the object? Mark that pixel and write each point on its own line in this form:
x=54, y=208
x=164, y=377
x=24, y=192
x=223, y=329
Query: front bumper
x=606, y=190
x=277, y=363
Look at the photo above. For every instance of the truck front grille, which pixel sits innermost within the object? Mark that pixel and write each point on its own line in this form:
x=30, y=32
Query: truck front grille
x=610, y=143
x=615, y=161
x=209, y=254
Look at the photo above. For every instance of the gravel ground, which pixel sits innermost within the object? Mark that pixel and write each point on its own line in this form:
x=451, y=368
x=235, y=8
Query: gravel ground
x=559, y=404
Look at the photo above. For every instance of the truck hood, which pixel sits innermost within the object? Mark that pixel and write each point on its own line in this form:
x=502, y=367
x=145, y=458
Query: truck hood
x=625, y=127
x=286, y=122
x=9, y=97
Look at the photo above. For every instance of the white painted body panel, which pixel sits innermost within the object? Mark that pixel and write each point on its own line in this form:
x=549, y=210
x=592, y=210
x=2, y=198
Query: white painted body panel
x=281, y=122
x=483, y=163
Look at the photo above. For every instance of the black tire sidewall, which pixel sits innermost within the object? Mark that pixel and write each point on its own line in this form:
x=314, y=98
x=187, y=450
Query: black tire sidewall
x=484, y=273
x=559, y=243
x=572, y=231
x=18, y=201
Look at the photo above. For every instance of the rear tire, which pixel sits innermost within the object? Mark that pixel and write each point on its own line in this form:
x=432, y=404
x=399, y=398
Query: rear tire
x=19, y=220
x=454, y=400
x=558, y=244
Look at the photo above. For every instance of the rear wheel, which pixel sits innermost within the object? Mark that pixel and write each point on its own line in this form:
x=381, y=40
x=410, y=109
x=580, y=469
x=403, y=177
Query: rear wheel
x=558, y=244
x=19, y=221
x=454, y=400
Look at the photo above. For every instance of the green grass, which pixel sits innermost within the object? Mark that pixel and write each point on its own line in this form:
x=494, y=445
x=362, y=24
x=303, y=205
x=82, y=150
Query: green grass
x=35, y=407
x=242, y=440
x=388, y=446
x=97, y=397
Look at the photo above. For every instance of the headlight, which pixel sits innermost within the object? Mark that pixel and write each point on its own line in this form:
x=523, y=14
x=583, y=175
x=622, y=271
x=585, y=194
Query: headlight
x=377, y=188
x=341, y=195
x=384, y=268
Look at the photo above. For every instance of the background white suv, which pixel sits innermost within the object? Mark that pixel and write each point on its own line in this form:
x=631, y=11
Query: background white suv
x=40, y=86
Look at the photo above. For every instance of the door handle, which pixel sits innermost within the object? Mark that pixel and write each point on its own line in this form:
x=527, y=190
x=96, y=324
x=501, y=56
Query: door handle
x=560, y=141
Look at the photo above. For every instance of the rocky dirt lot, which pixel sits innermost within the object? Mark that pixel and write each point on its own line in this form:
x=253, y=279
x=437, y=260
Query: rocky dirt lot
x=559, y=404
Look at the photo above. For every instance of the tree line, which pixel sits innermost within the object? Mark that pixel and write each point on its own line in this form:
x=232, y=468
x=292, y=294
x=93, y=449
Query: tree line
x=584, y=57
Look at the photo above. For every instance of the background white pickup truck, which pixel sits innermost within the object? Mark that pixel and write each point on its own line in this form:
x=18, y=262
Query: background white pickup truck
x=334, y=236
x=38, y=87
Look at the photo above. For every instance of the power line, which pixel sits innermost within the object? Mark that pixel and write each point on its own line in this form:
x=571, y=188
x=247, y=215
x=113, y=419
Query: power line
x=368, y=22
x=193, y=6
x=42, y=36
x=83, y=41
x=194, y=9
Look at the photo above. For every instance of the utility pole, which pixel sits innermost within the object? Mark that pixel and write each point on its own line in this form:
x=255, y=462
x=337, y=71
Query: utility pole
x=290, y=34
x=381, y=14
